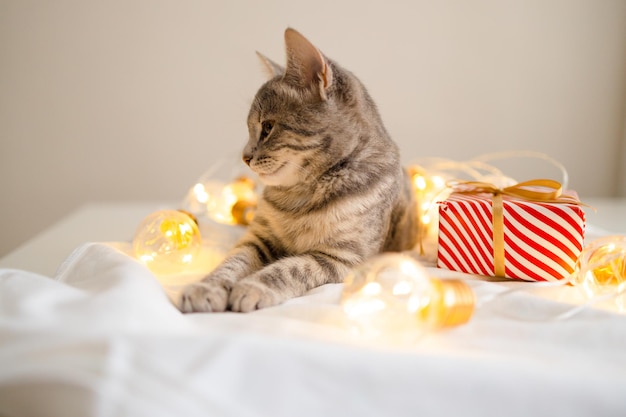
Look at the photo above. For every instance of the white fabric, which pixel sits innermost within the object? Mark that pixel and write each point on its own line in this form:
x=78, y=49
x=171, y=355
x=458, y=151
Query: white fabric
x=103, y=339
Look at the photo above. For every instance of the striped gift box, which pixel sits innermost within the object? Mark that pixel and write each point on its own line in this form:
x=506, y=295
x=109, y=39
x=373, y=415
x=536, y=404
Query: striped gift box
x=542, y=241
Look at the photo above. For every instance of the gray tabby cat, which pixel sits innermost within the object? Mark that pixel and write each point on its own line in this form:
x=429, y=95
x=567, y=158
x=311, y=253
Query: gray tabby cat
x=335, y=193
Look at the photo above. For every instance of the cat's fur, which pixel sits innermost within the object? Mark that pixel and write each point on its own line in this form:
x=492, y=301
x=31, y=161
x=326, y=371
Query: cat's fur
x=335, y=192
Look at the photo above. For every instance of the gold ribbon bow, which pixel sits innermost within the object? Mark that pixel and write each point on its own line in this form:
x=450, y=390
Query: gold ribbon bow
x=538, y=190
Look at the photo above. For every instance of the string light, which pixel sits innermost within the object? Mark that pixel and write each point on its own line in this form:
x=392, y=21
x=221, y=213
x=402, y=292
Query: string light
x=167, y=241
x=601, y=269
x=428, y=187
x=429, y=177
x=226, y=203
x=600, y=276
x=392, y=297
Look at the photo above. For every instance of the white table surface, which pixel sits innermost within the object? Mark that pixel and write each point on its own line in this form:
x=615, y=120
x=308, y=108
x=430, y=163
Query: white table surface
x=107, y=222
x=94, y=222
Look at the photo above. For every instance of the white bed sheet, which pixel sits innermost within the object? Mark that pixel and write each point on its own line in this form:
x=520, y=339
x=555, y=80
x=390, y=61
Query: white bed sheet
x=103, y=339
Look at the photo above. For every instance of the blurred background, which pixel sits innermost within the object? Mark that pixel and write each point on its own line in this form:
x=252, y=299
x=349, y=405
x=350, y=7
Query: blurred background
x=134, y=100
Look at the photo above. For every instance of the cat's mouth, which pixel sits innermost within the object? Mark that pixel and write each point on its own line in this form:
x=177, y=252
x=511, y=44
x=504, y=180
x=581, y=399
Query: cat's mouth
x=274, y=176
x=274, y=172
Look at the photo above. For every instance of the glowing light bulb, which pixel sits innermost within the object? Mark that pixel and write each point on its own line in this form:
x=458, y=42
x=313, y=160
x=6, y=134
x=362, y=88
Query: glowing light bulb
x=167, y=241
x=429, y=188
x=391, y=297
x=200, y=193
x=439, y=182
x=420, y=182
x=601, y=268
x=230, y=204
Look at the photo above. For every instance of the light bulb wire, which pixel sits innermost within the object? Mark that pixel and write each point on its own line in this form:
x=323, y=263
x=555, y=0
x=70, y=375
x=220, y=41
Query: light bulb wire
x=471, y=168
x=494, y=156
x=474, y=169
x=474, y=166
x=217, y=167
x=574, y=281
x=477, y=169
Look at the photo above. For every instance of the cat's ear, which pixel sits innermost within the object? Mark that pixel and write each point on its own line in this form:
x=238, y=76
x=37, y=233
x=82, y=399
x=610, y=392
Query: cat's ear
x=306, y=66
x=271, y=68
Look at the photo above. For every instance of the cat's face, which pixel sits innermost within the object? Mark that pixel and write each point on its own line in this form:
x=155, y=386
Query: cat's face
x=286, y=135
x=291, y=119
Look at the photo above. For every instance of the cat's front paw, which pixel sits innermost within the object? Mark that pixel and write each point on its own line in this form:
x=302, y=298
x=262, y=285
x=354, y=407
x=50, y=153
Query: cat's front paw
x=249, y=295
x=203, y=297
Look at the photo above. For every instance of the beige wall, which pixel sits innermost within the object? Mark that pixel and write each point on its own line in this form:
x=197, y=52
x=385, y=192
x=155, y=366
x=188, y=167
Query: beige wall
x=621, y=173
x=133, y=100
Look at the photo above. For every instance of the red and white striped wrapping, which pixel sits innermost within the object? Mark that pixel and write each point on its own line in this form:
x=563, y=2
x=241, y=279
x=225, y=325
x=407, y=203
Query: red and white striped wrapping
x=542, y=241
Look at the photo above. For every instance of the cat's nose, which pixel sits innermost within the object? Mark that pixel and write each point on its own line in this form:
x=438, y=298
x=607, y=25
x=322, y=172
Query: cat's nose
x=247, y=158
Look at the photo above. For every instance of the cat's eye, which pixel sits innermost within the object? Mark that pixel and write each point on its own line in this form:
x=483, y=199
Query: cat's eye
x=266, y=129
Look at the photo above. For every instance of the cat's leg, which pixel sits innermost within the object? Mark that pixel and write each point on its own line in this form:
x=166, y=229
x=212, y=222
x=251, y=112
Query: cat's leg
x=286, y=278
x=211, y=294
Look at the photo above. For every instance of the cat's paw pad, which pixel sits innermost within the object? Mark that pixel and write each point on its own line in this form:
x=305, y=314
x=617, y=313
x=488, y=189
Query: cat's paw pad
x=251, y=295
x=203, y=297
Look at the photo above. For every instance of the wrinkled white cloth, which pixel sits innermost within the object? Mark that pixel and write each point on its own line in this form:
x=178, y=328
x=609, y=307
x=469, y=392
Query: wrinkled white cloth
x=103, y=338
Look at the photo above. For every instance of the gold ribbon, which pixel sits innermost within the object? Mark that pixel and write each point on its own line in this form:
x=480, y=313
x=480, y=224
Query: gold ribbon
x=539, y=190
